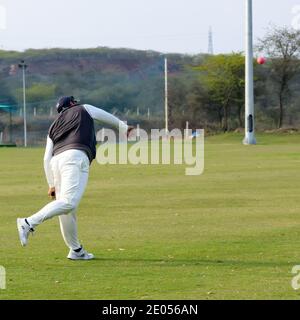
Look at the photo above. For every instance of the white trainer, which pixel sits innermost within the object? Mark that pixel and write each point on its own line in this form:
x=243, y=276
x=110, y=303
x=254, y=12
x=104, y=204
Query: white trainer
x=24, y=231
x=81, y=255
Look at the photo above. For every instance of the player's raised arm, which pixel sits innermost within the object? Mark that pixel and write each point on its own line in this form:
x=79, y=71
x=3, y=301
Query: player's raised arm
x=105, y=117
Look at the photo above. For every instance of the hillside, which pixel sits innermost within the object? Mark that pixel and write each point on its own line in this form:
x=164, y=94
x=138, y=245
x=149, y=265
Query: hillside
x=130, y=84
x=119, y=79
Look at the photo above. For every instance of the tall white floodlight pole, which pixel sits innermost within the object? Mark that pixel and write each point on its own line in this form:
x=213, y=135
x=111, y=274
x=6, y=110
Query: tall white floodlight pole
x=23, y=66
x=249, y=94
x=166, y=97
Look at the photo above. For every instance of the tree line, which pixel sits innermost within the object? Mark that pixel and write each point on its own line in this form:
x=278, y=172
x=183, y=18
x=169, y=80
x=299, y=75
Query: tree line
x=216, y=101
x=207, y=91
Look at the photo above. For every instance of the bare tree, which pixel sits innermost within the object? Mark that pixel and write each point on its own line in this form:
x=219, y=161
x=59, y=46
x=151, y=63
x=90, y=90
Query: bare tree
x=282, y=46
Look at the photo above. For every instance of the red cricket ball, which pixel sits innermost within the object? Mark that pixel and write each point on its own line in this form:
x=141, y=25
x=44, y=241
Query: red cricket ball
x=261, y=60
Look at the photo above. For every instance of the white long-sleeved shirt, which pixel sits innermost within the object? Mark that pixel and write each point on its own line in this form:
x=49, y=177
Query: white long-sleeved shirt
x=98, y=115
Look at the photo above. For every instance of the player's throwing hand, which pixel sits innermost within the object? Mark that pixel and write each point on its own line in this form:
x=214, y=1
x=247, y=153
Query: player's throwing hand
x=51, y=193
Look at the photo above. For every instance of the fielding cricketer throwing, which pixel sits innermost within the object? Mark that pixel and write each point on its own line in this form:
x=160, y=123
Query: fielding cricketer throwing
x=70, y=149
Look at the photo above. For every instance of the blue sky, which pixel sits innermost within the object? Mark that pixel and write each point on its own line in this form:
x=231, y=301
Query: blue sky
x=161, y=25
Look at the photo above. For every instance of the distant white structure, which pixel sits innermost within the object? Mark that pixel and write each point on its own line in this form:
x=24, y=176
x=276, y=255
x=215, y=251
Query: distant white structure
x=23, y=66
x=210, y=42
x=166, y=97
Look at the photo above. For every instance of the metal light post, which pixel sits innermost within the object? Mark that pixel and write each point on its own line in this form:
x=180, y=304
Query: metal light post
x=10, y=124
x=249, y=94
x=166, y=97
x=23, y=66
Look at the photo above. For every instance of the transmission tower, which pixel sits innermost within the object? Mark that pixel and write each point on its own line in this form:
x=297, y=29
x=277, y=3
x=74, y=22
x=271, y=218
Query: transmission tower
x=210, y=42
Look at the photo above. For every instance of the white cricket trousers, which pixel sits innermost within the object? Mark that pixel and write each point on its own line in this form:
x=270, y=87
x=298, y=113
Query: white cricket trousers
x=70, y=171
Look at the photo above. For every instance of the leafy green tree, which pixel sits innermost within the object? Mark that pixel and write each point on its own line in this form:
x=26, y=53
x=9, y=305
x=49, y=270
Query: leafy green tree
x=40, y=92
x=223, y=77
x=37, y=95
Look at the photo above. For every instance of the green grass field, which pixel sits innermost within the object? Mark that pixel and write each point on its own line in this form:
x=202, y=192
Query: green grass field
x=232, y=233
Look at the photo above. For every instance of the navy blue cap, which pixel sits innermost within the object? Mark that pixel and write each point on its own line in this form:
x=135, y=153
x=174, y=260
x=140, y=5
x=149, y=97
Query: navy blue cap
x=64, y=103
